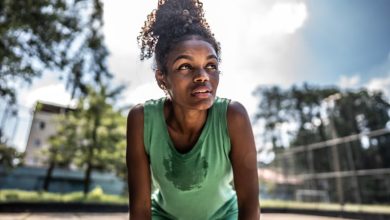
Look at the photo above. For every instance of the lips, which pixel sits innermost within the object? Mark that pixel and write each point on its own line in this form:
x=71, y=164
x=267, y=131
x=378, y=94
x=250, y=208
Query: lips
x=201, y=90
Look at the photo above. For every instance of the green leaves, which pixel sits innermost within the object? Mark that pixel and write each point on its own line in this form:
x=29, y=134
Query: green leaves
x=10, y=157
x=305, y=108
x=93, y=134
x=59, y=35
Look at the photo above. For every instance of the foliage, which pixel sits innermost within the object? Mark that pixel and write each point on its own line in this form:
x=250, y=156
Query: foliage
x=359, y=111
x=32, y=196
x=59, y=35
x=65, y=36
x=92, y=136
x=300, y=107
x=102, y=131
x=10, y=157
x=310, y=109
x=97, y=195
x=63, y=144
x=314, y=114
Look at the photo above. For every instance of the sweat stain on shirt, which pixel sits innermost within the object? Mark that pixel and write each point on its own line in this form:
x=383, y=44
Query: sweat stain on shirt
x=186, y=174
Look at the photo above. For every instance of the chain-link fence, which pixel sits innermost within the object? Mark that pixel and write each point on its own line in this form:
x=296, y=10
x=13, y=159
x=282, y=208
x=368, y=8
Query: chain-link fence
x=353, y=169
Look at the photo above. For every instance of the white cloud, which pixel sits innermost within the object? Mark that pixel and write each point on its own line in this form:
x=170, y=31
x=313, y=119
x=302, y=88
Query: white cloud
x=380, y=84
x=48, y=89
x=346, y=82
x=143, y=92
x=260, y=45
x=54, y=93
x=123, y=21
x=260, y=42
x=284, y=18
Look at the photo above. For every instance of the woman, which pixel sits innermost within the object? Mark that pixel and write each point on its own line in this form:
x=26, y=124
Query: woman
x=190, y=144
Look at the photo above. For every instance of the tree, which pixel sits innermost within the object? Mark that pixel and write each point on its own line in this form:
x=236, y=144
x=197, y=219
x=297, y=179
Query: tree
x=63, y=146
x=60, y=35
x=10, y=157
x=64, y=36
x=93, y=134
x=353, y=112
x=360, y=111
x=300, y=107
x=363, y=111
x=320, y=114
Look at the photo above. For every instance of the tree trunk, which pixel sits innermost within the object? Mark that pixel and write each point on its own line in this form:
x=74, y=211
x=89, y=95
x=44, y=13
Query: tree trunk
x=48, y=176
x=87, y=179
x=87, y=176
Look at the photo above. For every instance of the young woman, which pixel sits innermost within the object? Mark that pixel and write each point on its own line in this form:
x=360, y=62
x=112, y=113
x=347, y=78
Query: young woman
x=190, y=145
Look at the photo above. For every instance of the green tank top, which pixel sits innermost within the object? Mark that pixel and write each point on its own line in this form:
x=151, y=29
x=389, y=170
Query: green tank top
x=196, y=184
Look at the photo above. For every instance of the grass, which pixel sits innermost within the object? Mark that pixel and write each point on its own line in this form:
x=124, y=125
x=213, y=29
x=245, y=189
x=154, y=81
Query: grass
x=95, y=196
x=98, y=196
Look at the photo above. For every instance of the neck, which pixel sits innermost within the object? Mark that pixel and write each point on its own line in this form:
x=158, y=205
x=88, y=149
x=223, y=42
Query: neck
x=184, y=120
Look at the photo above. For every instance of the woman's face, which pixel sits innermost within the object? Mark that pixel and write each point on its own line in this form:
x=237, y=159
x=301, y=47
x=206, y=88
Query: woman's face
x=192, y=74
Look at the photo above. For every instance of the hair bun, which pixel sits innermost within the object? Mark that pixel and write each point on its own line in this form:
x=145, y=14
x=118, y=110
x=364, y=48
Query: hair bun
x=186, y=12
x=171, y=21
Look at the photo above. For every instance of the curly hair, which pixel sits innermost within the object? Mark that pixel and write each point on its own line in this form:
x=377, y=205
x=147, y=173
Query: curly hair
x=172, y=22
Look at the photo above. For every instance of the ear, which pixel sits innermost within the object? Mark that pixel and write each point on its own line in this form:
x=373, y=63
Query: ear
x=160, y=79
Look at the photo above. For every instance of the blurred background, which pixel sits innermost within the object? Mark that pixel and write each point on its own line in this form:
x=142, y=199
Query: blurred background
x=313, y=75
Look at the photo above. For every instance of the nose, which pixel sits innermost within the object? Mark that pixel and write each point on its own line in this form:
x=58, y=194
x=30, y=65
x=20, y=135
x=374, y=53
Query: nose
x=201, y=76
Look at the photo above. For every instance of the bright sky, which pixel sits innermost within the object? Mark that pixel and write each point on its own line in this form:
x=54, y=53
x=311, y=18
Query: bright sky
x=250, y=45
x=267, y=42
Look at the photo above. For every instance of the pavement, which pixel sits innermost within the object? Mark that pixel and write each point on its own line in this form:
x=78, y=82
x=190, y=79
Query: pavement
x=124, y=216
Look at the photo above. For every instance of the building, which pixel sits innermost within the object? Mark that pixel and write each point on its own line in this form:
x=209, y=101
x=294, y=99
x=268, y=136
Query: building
x=63, y=180
x=43, y=126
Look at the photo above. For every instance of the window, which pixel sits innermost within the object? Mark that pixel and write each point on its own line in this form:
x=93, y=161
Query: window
x=42, y=125
x=37, y=142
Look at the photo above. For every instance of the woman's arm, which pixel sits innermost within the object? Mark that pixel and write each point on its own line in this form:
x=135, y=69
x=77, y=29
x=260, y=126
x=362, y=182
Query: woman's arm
x=244, y=162
x=137, y=166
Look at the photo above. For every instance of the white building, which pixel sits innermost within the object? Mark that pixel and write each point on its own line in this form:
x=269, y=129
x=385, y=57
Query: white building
x=42, y=127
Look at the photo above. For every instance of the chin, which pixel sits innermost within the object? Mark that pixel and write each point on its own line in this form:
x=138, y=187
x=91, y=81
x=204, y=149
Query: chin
x=205, y=104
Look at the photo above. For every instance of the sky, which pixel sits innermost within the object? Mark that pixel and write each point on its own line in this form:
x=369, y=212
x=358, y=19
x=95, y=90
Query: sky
x=267, y=42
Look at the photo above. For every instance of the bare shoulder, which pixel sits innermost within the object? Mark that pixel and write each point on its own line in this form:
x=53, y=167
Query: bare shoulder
x=239, y=125
x=135, y=132
x=236, y=114
x=136, y=114
x=135, y=126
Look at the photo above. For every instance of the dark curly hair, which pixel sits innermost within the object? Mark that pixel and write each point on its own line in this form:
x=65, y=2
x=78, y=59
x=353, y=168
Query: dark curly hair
x=172, y=22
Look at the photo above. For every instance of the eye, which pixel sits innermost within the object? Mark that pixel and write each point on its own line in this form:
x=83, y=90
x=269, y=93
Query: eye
x=184, y=67
x=211, y=66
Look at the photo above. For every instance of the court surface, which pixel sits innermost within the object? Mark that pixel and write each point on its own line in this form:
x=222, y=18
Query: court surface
x=124, y=216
